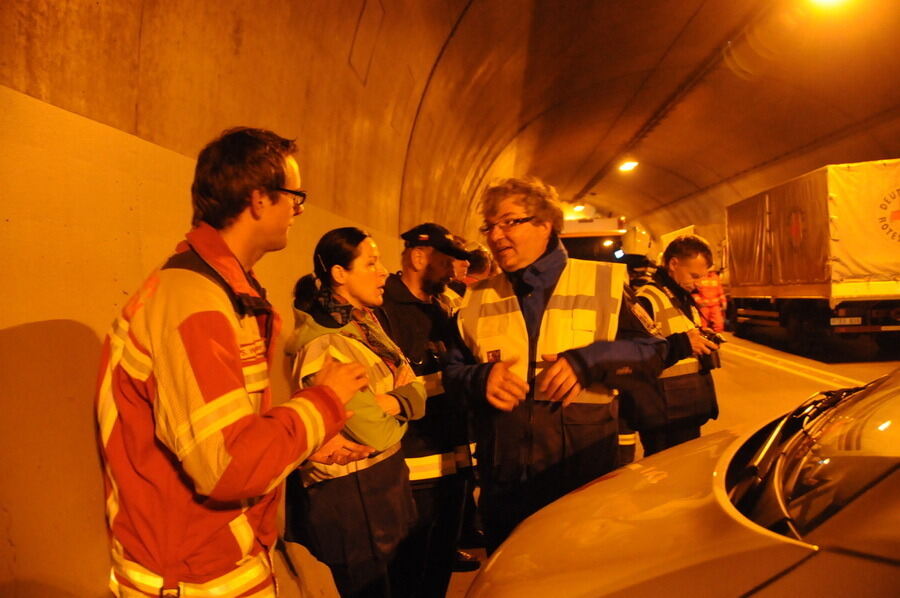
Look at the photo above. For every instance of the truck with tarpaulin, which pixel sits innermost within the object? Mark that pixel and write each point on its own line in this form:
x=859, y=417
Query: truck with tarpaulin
x=820, y=255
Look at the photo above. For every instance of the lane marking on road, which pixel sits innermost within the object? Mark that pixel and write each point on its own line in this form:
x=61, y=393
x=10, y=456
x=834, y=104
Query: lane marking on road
x=797, y=369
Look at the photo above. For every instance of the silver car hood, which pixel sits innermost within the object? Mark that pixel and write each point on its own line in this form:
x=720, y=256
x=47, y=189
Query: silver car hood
x=626, y=532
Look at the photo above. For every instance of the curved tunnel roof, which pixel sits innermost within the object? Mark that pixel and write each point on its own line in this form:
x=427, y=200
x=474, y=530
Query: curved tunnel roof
x=716, y=100
x=406, y=110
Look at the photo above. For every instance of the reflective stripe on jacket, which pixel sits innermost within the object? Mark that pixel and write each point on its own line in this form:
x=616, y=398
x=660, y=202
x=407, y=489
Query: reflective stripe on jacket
x=583, y=308
x=254, y=573
x=193, y=453
x=436, y=465
x=670, y=320
x=369, y=424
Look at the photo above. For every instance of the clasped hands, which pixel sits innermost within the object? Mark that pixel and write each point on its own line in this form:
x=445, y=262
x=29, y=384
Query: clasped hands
x=506, y=389
x=345, y=379
x=340, y=450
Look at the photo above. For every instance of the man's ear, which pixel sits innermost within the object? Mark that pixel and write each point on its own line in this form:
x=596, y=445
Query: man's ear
x=259, y=201
x=546, y=225
x=419, y=258
x=546, y=228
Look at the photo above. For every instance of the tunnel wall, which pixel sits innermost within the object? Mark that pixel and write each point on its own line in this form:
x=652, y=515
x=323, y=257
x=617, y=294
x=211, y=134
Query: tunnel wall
x=344, y=78
x=103, y=107
x=88, y=212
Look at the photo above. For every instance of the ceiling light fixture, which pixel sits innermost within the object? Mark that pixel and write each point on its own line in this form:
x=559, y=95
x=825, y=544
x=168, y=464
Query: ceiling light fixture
x=628, y=166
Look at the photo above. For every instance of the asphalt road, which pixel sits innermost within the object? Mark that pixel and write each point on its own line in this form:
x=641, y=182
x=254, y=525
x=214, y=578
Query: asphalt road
x=759, y=381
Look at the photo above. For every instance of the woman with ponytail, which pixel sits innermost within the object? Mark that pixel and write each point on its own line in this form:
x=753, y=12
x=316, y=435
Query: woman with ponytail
x=353, y=516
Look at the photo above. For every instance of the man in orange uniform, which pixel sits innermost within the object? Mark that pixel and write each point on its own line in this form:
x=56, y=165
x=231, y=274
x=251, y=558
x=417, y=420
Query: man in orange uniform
x=193, y=451
x=711, y=301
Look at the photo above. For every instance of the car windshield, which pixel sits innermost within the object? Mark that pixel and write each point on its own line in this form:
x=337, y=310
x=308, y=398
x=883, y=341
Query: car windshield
x=822, y=456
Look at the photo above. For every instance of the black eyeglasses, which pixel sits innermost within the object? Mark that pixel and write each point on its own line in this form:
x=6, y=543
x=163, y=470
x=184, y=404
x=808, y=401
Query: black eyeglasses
x=298, y=196
x=504, y=225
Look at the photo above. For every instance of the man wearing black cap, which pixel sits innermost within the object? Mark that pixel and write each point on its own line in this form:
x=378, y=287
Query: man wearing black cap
x=436, y=446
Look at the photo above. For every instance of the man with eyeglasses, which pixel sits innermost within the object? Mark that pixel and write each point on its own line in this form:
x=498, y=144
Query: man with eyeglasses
x=193, y=452
x=539, y=360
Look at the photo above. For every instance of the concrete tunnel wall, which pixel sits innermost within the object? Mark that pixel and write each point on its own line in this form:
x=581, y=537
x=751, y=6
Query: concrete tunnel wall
x=97, y=210
x=103, y=108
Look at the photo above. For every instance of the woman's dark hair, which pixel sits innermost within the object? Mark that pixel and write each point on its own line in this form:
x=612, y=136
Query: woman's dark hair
x=338, y=247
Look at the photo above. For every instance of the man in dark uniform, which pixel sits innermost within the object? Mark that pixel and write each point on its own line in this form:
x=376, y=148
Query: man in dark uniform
x=687, y=384
x=436, y=446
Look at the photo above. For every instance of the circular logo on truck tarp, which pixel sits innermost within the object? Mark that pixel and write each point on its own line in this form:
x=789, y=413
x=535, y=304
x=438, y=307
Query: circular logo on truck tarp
x=795, y=229
x=889, y=215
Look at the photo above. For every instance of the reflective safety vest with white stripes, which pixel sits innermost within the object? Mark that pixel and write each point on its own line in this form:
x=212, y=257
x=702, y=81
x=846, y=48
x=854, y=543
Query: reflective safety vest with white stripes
x=583, y=308
x=368, y=416
x=670, y=320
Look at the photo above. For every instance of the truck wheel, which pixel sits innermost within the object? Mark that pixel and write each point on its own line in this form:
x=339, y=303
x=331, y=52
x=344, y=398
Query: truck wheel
x=888, y=342
x=798, y=339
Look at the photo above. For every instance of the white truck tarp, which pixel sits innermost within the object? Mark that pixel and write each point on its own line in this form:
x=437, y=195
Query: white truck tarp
x=832, y=233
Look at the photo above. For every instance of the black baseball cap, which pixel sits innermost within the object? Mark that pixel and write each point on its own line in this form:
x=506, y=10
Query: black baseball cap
x=434, y=235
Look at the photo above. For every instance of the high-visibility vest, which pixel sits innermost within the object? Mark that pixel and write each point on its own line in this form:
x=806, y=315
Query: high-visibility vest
x=583, y=308
x=344, y=349
x=670, y=320
x=451, y=300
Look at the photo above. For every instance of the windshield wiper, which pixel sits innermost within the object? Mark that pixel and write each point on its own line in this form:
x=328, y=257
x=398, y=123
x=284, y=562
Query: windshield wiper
x=797, y=422
x=756, y=472
x=813, y=407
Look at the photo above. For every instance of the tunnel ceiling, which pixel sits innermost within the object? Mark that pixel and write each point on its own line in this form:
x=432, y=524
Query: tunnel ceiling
x=716, y=99
x=405, y=109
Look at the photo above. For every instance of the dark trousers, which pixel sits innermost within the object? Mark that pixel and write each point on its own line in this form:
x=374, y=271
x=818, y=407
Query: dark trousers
x=505, y=503
x=425, y=559
x=354, y=524
x=660, y=439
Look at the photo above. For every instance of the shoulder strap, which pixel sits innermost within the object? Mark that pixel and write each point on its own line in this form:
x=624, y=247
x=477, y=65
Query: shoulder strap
x=243, y=304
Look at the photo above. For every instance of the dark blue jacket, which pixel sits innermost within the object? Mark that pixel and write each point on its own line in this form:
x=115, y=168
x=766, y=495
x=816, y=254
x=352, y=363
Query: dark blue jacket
x=539, y=451
x=635, y=354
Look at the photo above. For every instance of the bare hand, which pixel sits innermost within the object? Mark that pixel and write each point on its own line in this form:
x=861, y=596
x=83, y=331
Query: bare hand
x=388, y=403
x=699, y=344
x=505, y=389
x=341, y=451
x=345, y=379
x=559, y=382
